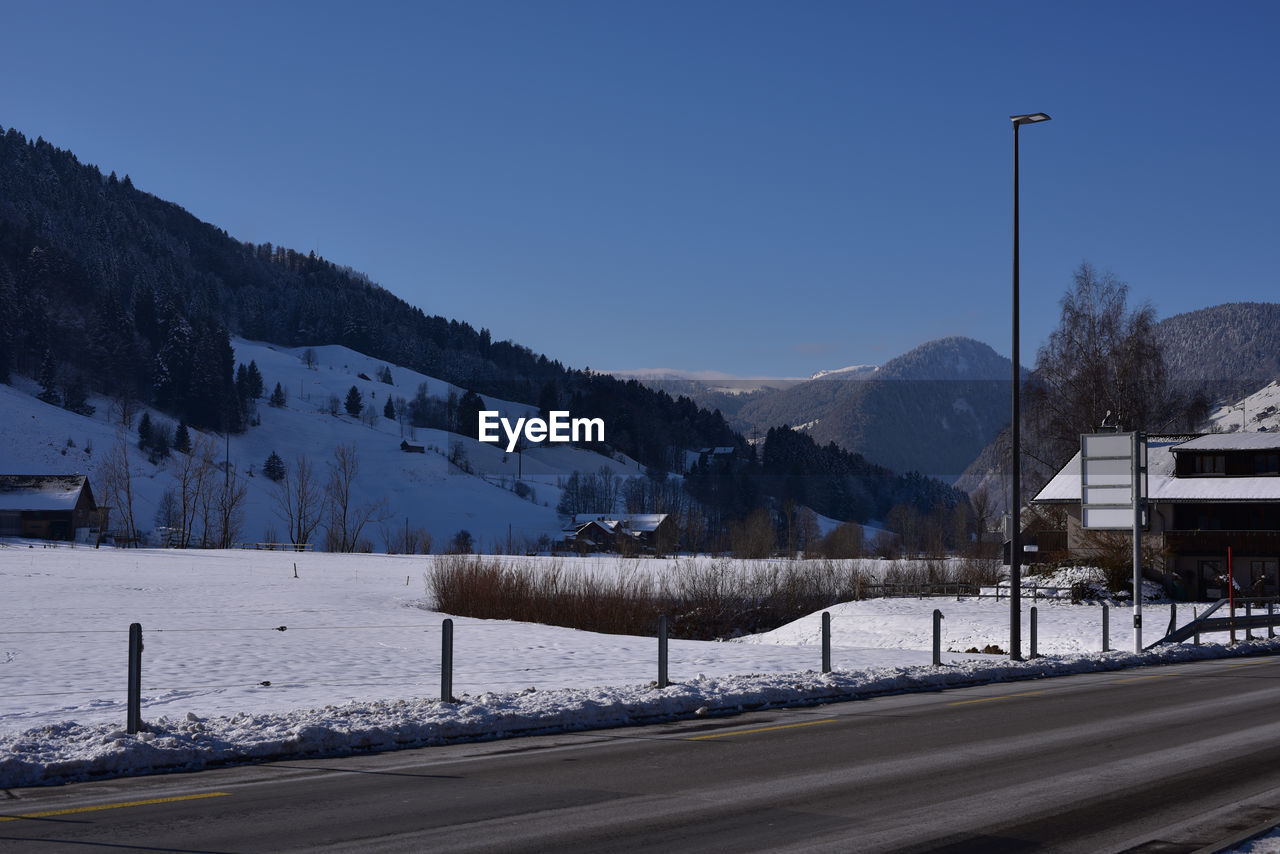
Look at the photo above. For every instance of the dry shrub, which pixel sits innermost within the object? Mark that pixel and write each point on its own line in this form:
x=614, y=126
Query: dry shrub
x=1112, y=552
x=702, y=600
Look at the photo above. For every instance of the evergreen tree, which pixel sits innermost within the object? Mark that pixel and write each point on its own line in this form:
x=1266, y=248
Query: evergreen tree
x=145, y=431
x=389, y=411
x=182, y=439
x=76, y=398
x=255, y=384
x=278, y=398
x=549, y=399
x=354, y=402
x=172, y=370
x=242, y=382
x=160, y=444
x=49, y=380
x=469, y=408
x=274, y=468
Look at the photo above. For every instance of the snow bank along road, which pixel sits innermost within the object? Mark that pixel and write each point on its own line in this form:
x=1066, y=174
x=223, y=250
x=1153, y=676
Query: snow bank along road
x=1162, y=758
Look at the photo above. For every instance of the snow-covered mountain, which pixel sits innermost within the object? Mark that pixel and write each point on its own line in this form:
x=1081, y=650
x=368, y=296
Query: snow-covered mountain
x=423, y=491
x=930, y=410
x=850, y=372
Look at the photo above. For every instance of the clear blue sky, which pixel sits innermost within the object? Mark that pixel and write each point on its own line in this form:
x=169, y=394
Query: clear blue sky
x=763, y=189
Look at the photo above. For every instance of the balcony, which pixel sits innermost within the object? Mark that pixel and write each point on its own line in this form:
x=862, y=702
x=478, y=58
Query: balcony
x=1251, y=543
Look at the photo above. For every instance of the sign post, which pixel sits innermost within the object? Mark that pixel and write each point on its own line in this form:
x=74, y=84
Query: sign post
x=1113, y=493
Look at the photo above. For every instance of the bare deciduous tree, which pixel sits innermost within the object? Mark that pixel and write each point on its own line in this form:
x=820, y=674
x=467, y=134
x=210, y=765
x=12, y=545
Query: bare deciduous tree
x=117, y=486
x=405, y=539
x=299, y=501
x=229, y=508
x=347, y=517
x=1103, y=361
x=193, y=473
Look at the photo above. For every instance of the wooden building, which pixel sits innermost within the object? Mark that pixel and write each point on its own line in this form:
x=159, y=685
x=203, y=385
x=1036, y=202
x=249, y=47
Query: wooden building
x=49, y=507
x=647, y=533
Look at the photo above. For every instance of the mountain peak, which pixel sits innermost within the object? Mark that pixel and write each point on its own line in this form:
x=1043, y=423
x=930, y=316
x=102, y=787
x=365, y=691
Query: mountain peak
x=951, y=358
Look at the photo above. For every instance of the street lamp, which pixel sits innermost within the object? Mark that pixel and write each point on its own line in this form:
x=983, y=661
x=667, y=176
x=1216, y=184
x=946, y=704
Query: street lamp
x=1015, y=533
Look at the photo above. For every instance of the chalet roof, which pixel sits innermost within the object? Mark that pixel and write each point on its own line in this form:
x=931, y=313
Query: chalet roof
x=1162, y=486
x=643, y=521
x=41, y=491
x=633, y=522
x=1232, y=442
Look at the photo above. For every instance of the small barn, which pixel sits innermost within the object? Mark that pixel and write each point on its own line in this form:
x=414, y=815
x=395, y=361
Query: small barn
x=48, y=507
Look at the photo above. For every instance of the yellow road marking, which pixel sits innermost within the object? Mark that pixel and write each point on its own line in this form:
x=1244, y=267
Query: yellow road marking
x=761, y=729
x=1141, y=678
x=100, y=807
x=1252, y=663
x=990, y=699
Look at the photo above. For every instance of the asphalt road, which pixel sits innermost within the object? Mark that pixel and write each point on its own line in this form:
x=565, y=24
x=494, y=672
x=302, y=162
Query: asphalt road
x=1155, y=760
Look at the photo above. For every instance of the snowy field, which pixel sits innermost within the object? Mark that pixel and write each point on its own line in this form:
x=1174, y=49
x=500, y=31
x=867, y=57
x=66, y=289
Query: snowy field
x=358, y=664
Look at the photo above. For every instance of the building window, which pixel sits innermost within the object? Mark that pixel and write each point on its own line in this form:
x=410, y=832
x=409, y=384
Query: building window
x=1266, y=464
x=1210, y=463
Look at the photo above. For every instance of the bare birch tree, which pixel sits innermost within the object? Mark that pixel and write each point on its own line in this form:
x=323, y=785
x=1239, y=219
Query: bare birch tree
x=299, y=501
x=192, y=473
x=117, y=486
x=347, y=517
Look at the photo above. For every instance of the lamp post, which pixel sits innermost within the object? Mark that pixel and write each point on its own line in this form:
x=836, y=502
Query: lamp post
x=1015, y=510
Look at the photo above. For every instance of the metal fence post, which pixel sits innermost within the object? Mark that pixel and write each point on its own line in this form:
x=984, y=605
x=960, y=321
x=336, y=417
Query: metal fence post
x=937, y=638
x=1106, y=628
x=1034, y=652
x=826, y=641
x=662, y=651
x=446, y=661
x=134, y=713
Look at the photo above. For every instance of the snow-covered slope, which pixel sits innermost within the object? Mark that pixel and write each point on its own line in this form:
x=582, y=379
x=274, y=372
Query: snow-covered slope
x=1256, y=412
x=422, y=490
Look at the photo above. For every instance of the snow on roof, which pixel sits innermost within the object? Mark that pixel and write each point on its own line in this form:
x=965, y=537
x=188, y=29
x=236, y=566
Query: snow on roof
x=1233, y=442
x=643, y=521
x=635, y=522
x=40, y=491
x=1162, y=486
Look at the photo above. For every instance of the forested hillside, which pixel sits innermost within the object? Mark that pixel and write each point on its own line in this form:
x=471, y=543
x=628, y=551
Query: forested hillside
x=1227, y=350
x=107, y=287
x=107, y=290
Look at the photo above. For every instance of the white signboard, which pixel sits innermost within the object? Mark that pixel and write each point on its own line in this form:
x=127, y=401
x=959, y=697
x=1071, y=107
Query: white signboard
x=1108, y=518
x=1110, y=484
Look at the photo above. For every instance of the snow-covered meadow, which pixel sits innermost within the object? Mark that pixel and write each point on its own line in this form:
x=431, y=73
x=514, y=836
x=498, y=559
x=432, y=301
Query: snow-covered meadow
x=357, y=665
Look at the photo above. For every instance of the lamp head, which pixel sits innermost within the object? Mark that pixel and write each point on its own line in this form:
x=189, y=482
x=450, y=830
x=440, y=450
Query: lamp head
x=1029, y=118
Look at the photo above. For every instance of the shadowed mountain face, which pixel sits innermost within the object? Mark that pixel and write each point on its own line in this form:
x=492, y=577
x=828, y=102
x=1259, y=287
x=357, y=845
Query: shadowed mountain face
x=930, y=410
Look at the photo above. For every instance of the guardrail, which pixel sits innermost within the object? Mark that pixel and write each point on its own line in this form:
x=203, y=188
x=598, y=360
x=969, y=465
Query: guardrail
x=1205, y=623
